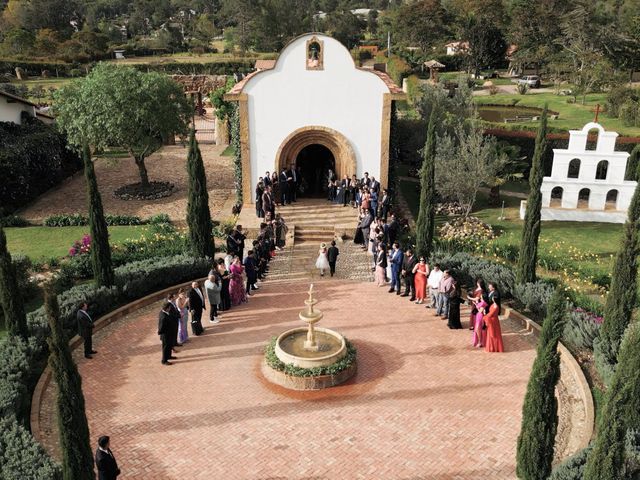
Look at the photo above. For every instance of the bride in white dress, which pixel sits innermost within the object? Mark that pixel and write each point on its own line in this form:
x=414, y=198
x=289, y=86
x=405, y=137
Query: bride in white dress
x=322, y=263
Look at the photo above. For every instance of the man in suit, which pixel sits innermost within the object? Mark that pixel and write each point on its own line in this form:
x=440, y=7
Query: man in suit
x=365, y=181
x=397, y=258
x=240, y=237
x=85, y=329
x=410, y=261
x=332, y=256
x=175, y=320
x=394, y=228
x=105, y=461
x=165, y=330
x=385, y=202
x=251, y=272
x=267, y=201
x=374, y=185
x=293, y=183
x=365, y=226
x=267, y=179
x=196, y=306
x=283, y=180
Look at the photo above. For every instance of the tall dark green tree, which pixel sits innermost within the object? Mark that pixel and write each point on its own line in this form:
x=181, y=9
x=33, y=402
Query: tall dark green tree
x=540, y=408
x=620, y=412
x=622, y=293
x=77, y=458
x=425, y=225
x=198, y=214
x=100, y=249
x=528, y=257
x=10, y=296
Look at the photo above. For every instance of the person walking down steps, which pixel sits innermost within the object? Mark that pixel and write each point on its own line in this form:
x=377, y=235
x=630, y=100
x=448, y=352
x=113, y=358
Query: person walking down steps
x=332, y=256
x=322, y=263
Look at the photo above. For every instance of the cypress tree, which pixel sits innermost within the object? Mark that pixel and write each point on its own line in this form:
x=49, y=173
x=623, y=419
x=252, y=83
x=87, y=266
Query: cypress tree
x=425, y=225
x=620, y=412
x=100, y=250
x=77, y=458
x=528, y=257
x=540, y=408
x=10, y=296
x=622, y=293
x=198, y=214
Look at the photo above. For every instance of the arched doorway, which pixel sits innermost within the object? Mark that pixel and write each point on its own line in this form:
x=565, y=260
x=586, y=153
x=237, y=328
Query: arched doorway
x=317, y=149
x=314, y=162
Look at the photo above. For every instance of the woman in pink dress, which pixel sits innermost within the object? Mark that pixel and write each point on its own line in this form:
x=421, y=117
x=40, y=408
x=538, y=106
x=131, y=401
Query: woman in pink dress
x=236, y=285
x=478, y=293
x=381, y=265
x=494, y=332
x=479, y=330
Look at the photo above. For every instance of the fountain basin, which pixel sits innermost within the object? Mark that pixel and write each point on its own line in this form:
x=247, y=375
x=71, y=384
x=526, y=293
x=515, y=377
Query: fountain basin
x=290, y=349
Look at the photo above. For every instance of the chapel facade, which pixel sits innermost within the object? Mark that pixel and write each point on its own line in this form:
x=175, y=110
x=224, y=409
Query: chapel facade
x=317, y=110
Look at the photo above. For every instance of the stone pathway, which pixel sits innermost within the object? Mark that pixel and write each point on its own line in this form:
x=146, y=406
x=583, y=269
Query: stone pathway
x=424, y=404
x=168, y=164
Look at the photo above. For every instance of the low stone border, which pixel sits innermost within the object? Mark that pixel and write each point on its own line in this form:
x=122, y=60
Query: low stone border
x=580, y=437
x=76, y=341
x=308, y=383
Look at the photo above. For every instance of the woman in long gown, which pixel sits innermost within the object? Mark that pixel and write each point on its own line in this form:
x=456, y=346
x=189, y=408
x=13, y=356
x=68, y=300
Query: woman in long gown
x=236, y=285
x=454, y=308
x=479, y=329
x=494, y=332
x=225, y=298
x=420, y=274
x=381, y=265
x=478, y=293
x=322, y=263
x=182, y=303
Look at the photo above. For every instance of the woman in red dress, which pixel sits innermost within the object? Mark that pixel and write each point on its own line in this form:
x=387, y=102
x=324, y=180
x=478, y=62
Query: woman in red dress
x=421, y=272
x=494, y=332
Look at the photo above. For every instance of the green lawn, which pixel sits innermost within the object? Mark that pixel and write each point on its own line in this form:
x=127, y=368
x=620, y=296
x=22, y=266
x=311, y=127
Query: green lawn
x=591, y=244
x=572, y=115
x=229, y=151
x=41, y=243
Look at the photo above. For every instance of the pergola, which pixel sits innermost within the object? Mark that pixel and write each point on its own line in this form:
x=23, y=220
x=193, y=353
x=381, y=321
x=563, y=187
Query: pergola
x=433, y=66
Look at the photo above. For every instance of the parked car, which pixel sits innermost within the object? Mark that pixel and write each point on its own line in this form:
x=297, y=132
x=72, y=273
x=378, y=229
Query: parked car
x=532, y=80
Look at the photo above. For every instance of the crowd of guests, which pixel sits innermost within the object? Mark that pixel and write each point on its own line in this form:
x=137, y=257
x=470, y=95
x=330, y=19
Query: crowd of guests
x=277, y=190
x=230, y=283
x=423, y=284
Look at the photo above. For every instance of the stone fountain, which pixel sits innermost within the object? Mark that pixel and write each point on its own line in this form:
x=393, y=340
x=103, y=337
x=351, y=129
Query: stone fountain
x=310, y=347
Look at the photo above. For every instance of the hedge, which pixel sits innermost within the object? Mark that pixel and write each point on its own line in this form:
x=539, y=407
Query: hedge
x=78, y=220
x=35, y=69
x=21, y=362
x=21, y=457
x=33, y=158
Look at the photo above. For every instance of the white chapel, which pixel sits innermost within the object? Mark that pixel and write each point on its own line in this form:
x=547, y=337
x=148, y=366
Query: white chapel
x=587, y=185
x=315, y=109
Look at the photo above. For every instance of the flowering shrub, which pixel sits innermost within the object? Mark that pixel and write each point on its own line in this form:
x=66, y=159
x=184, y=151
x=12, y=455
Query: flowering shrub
x=582, y=328
x=81, y=247
x=450, y=208
x=466, y=228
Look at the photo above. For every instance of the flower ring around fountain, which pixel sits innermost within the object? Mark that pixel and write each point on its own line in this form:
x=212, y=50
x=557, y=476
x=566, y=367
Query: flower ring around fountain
x=310, y=347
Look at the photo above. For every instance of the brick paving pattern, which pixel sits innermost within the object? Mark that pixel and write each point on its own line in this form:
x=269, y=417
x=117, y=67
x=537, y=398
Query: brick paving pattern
x=424, y=404
x=167, y=165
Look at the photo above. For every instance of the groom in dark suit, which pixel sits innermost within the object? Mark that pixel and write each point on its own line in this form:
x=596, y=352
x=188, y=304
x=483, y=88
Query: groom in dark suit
x=332, y=256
